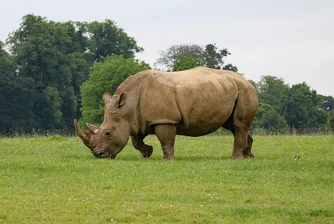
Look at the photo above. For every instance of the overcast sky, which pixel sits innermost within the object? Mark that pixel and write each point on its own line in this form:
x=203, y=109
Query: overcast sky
x=291, y=39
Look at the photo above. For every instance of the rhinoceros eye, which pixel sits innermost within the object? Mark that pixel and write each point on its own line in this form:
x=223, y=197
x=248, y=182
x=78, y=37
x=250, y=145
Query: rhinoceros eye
x=109, y=133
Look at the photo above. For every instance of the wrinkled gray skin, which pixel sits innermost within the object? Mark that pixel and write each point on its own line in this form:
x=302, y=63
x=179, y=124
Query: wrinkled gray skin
x=193, y=102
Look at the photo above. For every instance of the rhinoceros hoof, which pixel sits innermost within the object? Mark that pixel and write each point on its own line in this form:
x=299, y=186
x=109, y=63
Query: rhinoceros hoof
x=149, y=152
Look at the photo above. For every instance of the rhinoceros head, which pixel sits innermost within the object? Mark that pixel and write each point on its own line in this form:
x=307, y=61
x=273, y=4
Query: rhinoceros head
x=111, y=137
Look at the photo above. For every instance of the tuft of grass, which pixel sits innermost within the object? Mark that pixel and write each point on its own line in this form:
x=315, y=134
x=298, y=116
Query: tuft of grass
x=56, y=138
x=57, y=180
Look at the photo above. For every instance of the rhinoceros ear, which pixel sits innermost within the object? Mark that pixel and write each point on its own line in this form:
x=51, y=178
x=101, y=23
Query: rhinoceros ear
x=92, y=128
x=121, y=99
x=118, y=100
x=106, y=97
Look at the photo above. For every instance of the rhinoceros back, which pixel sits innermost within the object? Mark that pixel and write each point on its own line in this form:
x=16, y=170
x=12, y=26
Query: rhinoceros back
x=198, y=100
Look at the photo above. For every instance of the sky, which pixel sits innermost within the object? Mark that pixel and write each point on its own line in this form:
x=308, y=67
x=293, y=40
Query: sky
x=289, y=39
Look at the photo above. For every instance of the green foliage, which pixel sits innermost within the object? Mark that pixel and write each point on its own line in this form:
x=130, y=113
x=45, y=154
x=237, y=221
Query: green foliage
x=231, y=68
x=52, y=106
x=208, y=56
x=105, y=77
x=269, y=119
x=273, y=91
x=263, y=109
x=175, y=52
x=49, y=61
x=184, y=63
x=302, y=108
x=7, y=64
x=331, y=120
x=272, y=121
x=106, y=39
x=45, y=51
x=318, y=118
x=328, y=103
x=16, y=96
x=213, y=58
x=298, y=106
x=57, y=180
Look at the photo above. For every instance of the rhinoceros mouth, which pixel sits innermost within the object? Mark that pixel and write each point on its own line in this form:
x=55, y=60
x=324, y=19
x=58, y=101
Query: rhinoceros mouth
x=103, y=155
x=99, y=155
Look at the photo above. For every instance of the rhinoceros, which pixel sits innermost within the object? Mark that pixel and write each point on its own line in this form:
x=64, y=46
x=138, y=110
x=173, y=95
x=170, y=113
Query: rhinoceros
x=193, y=102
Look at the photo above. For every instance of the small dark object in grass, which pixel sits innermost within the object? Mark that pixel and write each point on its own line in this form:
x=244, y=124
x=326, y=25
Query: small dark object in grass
x=297, y=157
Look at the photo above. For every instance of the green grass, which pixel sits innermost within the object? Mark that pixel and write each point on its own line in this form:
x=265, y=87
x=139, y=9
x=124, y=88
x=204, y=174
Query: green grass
x=57, y=180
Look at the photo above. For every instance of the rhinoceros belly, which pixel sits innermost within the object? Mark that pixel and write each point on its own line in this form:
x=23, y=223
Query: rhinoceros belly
x=205, y=106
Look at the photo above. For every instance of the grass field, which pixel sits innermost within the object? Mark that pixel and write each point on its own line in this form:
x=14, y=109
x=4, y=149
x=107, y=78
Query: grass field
x=57, y=180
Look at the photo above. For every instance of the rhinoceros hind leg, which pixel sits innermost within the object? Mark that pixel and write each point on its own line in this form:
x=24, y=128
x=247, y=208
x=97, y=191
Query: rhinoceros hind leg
x=248, y=151
x=166, y=134
x=138, y=143
x=240, y=142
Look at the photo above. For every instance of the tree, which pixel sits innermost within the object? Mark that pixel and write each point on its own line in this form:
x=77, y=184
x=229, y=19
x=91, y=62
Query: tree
x=261, y=110
x=213, y=58
x=231, y=68
x=328, y=106
x=7, y=74
x=105, y=77
x=171, y=55
x=56, y=57
x=331, y=120
x=303, y=108
x=185, y=62
x=317, y=118
x=273, y=91
x=328, y=103
x=272, y=122
x=42, y=50
x=208, y=56
x=105, y=38
x=16, y=96
x=269, y=119
x=7, y=64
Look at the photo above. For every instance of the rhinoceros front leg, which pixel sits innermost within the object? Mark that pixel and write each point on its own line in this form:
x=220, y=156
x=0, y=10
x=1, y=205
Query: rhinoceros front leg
x=166, y=134
x=138, y=143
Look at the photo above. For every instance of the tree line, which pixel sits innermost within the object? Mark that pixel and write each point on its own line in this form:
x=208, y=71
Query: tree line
x=296, y=108
x=52, y=72
x=45, y=65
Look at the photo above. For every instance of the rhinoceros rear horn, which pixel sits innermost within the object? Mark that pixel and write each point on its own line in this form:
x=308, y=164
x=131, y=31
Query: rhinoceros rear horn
x=106, y=97
x=93, y=129
x=84, y=135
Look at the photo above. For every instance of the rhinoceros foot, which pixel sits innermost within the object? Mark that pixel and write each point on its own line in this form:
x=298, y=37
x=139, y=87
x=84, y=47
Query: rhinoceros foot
x=148, y=152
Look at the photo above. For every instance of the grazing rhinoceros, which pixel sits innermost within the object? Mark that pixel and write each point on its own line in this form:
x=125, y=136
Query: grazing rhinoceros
x=193, y=102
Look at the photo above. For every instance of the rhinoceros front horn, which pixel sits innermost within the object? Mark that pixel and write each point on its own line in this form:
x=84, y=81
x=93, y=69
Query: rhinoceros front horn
x=84, y=135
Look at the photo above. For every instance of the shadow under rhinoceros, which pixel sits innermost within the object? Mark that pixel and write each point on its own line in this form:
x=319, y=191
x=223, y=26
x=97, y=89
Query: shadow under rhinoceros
x=202, y=158
x=180, y=158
